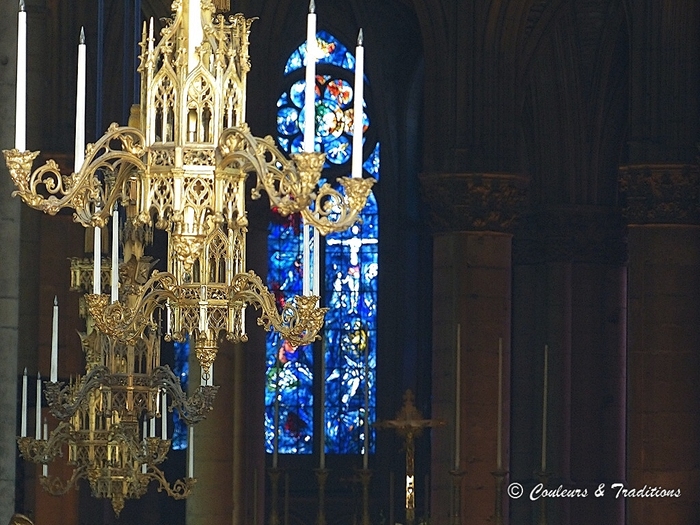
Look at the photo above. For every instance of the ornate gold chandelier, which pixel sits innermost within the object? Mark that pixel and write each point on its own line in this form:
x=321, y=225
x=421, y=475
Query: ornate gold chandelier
x=180, y=166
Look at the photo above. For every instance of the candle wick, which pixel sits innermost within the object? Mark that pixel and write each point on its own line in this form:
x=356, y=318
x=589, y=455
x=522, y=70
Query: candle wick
x=312, y=7
x=82, y=36
x=359, y=38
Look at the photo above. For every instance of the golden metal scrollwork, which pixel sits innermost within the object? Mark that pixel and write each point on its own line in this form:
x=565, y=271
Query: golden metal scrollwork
x=181, y=166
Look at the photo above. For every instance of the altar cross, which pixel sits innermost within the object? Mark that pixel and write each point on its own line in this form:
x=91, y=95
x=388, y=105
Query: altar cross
x=409, y=423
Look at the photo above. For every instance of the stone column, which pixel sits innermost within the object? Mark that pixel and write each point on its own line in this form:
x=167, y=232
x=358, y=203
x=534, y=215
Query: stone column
x=472, y=215
x=569, y=294
x=211, y=500
x=662, y=206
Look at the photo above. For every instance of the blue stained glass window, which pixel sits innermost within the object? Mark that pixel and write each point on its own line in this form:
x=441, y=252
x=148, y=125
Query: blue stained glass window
x=349, y=287
x=289, y=376
x=181, y=369
x=331, y=52
x=350, y=332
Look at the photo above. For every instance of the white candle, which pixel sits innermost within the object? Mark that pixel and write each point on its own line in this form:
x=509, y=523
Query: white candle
x=80, y=105
x=309, y=129
x=458, y=388
x=54, y=342
x=190, y=446
x=358, y=109
x=37, y=423
x=316, y=289
x=322, y=403
x=168, y=314
x=97, y=260
x=310, y=87
x=45, y=467
x=544, y=410
x=152, y=428
x=23, y=428
x=365, y=456
x=164, y=417
x=203, y=310
x=115, y=255
x=21, y=85
x=306, y=260
x=499, y=435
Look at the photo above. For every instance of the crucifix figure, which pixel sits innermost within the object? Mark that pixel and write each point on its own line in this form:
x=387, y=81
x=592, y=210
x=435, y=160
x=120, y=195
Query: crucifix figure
x=409, y=423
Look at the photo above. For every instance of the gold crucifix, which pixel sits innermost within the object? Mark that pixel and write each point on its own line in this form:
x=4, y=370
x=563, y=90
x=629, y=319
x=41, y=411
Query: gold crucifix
x=409, y=423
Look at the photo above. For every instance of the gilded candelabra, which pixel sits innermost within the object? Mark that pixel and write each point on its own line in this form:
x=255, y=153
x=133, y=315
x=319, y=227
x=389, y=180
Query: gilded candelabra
x=181, y=165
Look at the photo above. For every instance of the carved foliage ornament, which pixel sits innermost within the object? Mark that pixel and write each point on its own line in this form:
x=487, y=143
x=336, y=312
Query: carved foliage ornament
x=660, y=194
x=474, y=201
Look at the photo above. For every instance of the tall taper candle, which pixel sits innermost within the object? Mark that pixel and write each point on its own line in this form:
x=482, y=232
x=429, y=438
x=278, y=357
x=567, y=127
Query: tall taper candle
x=499, y=435
x=164, y=416
x=115, y=255
x=458, y=401
x=190, y=458
x=23, y=428
x=544, y=409
x=97, y=260
x=80, y=105
x=37, y=423
x=358, y=108
x=316, y=286
x=21, y=85
x=45, y=467
x=54, y=341
x=306, y=259
x=310, y=79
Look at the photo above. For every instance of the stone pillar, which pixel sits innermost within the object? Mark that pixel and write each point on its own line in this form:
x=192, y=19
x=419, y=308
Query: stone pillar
x=211, y=500
x=471, y=215
x=569, y=294
x=664, y=336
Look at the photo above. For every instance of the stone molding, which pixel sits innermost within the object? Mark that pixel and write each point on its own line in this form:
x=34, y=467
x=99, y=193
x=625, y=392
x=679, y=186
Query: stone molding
x=660, y=193
x=488, y=202
x=588, y=234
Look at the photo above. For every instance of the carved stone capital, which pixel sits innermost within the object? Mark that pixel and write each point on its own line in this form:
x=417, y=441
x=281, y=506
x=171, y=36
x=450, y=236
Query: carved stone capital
x=660, y=193
x=474, y=201
x=590, y=234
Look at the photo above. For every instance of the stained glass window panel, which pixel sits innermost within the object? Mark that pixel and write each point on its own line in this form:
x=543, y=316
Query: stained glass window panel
x=351, y=268
x=349, y=286
x=331, y=52
x=289, y=377
x=181, y=369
